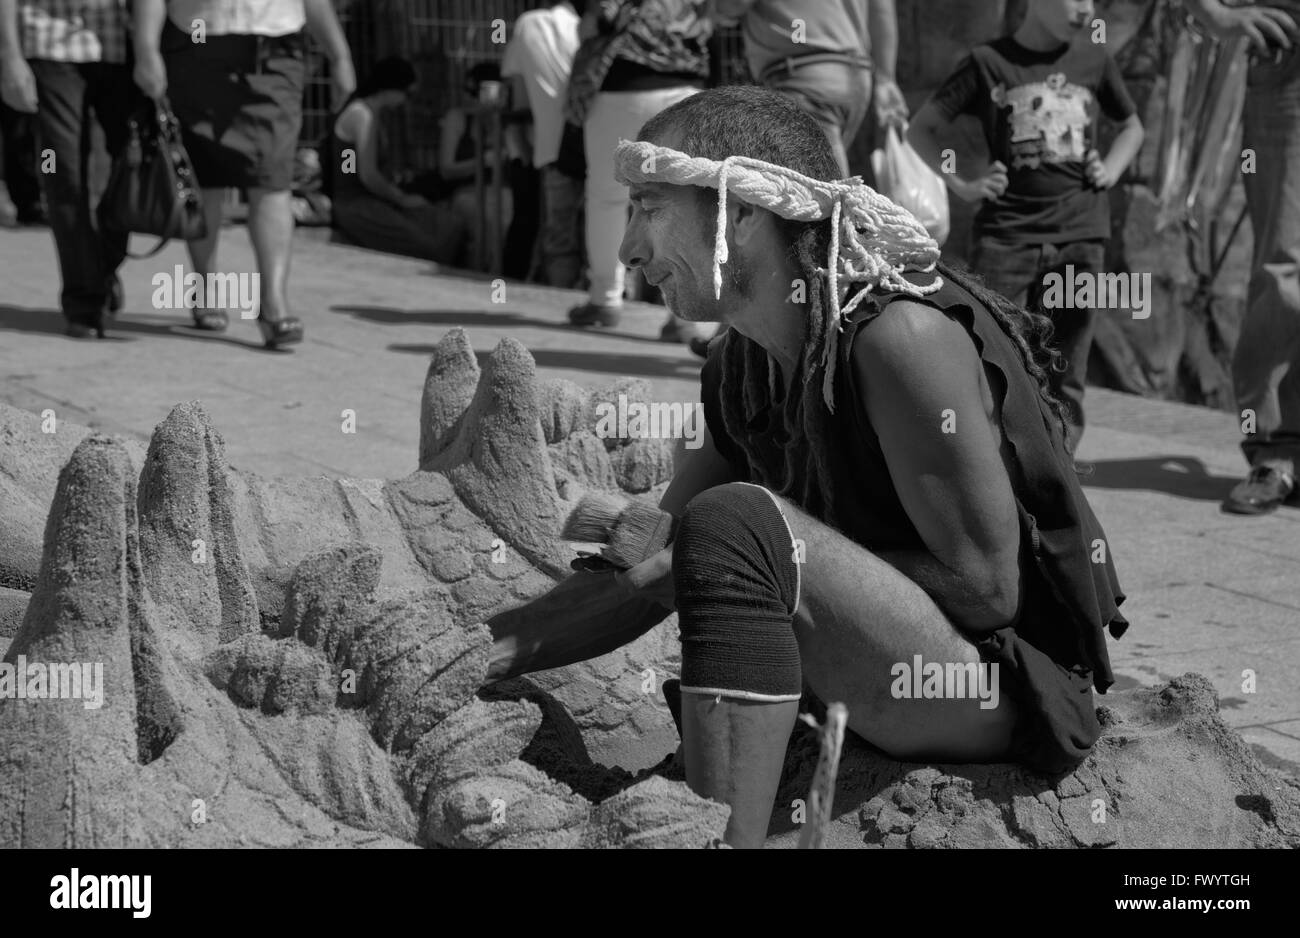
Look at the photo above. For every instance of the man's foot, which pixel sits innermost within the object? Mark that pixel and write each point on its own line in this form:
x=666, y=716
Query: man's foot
x=589, y=314
x=1261, y=492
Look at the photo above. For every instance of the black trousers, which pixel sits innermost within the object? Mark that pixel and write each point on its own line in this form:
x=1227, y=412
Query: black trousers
x=18, y=131
x=83, y=109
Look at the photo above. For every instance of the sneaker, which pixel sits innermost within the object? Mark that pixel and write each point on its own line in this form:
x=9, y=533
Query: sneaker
x=589, y=314
x=1261, y=492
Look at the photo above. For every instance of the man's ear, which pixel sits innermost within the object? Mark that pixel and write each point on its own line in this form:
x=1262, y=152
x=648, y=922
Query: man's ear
x=745, y=220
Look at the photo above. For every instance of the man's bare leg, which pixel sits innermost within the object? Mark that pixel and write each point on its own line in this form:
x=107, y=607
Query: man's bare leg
x=734, y=751
x=857, y=617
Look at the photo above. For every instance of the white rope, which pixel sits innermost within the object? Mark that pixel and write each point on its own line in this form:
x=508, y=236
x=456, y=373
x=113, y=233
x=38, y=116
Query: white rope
x=873, y=240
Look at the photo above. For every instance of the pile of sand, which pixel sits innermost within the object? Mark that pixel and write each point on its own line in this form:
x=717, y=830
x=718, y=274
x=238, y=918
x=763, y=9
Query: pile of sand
x=300, y=661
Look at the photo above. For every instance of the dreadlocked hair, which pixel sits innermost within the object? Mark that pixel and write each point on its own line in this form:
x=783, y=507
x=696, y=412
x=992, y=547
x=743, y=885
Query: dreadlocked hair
x=754, y=122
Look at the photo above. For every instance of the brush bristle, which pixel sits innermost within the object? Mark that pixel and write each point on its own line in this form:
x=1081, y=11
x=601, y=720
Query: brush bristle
x=594, y=518
x=642, y=531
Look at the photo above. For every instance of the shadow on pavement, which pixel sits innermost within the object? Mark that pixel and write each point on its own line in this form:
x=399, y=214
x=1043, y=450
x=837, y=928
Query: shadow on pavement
x=50, y=321
x=601, y=362
x=1173, y=475
x=392, y=316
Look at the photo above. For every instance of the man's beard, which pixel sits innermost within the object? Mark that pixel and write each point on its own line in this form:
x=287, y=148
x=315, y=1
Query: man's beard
x=695, y=306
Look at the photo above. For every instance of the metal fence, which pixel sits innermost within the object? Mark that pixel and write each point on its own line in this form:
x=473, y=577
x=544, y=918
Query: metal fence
x=443, y=39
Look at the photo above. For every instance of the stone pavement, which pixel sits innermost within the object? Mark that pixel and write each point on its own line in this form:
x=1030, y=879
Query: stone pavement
x=1208, y=592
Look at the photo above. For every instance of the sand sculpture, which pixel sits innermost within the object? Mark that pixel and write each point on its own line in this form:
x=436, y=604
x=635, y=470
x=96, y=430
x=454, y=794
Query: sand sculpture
x=300, y=661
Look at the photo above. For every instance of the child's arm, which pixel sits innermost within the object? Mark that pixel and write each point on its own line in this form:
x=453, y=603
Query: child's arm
x=1105, y=173
x=923, y=134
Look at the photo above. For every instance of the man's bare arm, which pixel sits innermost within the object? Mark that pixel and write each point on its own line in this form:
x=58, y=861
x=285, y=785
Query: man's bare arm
x=920, y=376
x=590, y=614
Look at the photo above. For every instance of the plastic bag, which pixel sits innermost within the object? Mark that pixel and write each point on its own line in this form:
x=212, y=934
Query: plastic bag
x=904, y=178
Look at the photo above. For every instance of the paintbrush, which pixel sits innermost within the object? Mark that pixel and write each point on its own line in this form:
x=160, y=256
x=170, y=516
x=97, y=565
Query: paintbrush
x=631, y=530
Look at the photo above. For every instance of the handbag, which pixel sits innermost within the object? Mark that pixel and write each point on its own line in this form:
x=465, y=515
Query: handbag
x=152, y=188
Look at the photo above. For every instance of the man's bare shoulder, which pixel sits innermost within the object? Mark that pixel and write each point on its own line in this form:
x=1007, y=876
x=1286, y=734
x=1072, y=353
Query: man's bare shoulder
x=911, y=338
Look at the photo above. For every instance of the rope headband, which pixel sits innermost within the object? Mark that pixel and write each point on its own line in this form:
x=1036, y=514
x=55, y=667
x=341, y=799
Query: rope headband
x=873, y=240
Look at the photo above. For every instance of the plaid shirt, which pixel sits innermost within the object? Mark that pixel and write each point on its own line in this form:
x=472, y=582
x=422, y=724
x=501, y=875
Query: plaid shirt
x=74, y=30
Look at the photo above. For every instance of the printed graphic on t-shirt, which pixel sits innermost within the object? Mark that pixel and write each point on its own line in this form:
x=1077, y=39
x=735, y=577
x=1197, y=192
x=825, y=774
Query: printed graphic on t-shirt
x=1048, y=121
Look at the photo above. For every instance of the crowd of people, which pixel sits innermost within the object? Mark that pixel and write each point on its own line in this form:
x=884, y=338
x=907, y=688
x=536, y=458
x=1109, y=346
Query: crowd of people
x=967, y=546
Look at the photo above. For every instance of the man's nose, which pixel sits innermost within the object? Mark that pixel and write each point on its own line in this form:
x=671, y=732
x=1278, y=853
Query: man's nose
x=634, y=251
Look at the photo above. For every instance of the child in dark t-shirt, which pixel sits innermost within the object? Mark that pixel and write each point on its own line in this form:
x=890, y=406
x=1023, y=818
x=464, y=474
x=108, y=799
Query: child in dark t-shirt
x=1037, y=94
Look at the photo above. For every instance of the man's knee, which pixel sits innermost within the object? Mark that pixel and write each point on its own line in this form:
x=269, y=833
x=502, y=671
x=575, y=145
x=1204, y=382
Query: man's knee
x=737, y=588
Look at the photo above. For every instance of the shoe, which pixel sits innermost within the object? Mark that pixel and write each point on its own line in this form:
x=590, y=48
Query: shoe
x=209, y=320
x=1261, y=492
x=278, y=332
x=83, y=330
x=589, y=314
x=700, y=346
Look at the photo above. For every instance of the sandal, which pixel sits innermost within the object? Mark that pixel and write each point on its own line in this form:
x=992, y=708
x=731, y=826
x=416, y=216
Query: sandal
x=278, y=332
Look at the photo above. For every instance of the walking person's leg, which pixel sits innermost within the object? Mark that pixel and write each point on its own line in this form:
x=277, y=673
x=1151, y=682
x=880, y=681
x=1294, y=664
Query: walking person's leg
x=111, y=93
x=1072, y=328
x=821, y=91
x=1266, y=361
x=613, y=116
x=561, y=246
x=63, y=127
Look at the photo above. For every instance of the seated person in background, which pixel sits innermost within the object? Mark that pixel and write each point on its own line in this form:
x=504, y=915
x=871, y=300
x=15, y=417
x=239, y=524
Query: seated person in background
x=457, y=156
x=368, y=207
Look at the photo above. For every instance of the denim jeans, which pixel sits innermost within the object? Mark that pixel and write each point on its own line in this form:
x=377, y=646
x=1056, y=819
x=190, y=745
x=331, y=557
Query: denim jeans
x=1017, y=271
x=1266, y=363
x=72, y=99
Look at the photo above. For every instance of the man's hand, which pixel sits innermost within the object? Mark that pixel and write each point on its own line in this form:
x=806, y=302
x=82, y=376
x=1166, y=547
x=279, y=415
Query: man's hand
x=652, y=579
x=1265, y=27
x=988, y=186
x=18, y=84
x=891, y=107
x=150, y=74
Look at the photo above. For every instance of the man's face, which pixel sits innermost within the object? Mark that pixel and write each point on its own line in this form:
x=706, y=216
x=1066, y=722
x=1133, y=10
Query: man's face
x=667, y=238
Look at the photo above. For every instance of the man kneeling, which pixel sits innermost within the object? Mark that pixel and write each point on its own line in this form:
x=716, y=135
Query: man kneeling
x=884, y=484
